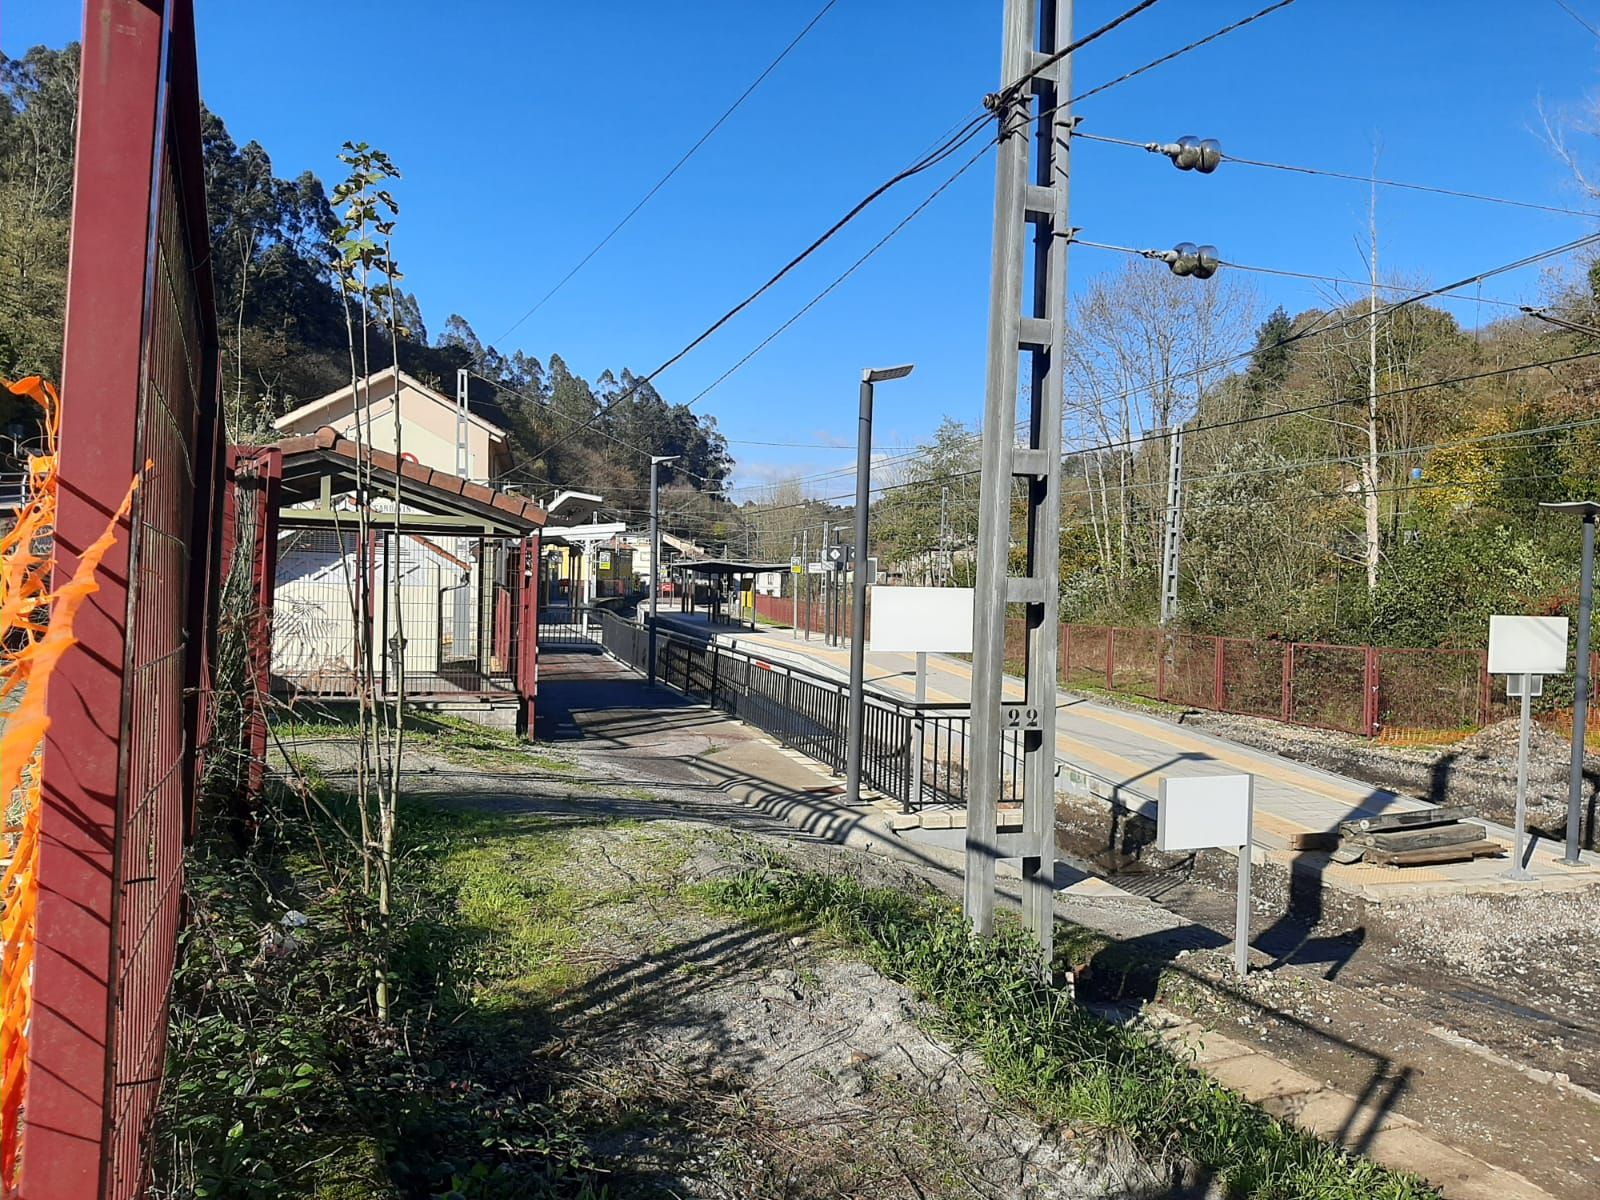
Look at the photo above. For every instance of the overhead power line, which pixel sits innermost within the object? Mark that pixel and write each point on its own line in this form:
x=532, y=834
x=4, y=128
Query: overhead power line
x=672, y=170
x=1134, y=441
x=1573, y=13
x=950, y=146
x=1157, y=148
x=1178, y=53
x=1014, y=89
x=1258, y=270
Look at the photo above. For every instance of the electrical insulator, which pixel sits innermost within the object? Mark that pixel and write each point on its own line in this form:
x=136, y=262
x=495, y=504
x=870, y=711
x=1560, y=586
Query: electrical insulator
x=1188, y=259
x=1190, y=153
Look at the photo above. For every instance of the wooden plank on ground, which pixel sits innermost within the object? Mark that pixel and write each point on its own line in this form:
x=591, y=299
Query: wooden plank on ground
x=1460, y=833
x=1463, y=852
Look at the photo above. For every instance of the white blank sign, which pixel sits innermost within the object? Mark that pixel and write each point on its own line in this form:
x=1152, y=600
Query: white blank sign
x=922, y=620
x=1527, y=645
x=1204, y=812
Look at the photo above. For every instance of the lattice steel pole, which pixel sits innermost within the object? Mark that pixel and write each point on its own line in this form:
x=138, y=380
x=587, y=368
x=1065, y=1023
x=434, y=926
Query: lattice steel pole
x=1035, y=326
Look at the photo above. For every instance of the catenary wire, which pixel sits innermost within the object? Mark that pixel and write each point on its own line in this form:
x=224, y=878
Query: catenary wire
x=1155, y=148
x=671, y=171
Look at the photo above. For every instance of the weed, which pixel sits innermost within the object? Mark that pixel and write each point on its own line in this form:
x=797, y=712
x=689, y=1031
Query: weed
x=1045, y=1050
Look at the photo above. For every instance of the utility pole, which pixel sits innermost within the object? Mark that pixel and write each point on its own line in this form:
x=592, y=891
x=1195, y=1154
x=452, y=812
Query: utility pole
x=1369, y=473
x=1023, y=199
x=655, y=552
x=1174, y=530
x=944, y=537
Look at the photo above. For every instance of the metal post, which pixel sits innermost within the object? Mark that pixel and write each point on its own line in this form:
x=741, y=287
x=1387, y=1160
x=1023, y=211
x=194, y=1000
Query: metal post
x=805, y=578
x=914, y=791
x=858, y=578
x=588, y=582
x=1174, y=529
x=858, y=598
x=794, y=594
x=463, y=465
x=1241, y=914
x=1022, y=199
x=1580, y=694
x=655, y=553
x=827, y=587
x=1518, y=871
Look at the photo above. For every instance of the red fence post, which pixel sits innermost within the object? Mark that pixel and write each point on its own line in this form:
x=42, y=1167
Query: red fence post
x=1111, y=660
x=1288, y=682
x=138, y=383
x=1064, y=663
x=1161, y=665
x=1216, y=676
x=527, y=649
x=1369, y=699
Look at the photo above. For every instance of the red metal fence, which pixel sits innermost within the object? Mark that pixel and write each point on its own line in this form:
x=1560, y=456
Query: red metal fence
x=1358, y=689
x=139, y=394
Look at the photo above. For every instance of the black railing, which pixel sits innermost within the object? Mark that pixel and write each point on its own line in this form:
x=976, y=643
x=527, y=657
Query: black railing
x=567, y=625
x=913, y=753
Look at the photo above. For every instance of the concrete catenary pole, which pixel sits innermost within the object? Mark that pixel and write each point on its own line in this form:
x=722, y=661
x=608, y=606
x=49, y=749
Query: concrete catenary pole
x=1036, y=326
x=1173, y=536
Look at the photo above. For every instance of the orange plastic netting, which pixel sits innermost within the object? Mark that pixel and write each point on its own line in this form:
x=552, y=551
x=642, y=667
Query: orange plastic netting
x=35, y=631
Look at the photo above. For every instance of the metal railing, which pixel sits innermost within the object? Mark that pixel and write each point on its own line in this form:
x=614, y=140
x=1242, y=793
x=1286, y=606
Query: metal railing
x=914, y=753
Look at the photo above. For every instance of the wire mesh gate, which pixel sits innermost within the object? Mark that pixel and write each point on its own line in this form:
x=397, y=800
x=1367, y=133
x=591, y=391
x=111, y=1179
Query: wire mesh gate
x=445, y=614
x=139, y=395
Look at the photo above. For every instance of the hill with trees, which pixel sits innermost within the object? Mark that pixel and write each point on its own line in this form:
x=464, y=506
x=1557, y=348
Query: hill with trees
x=282, y=322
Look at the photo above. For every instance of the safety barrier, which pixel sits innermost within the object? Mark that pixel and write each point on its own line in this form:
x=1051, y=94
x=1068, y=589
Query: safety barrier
x=914, y=753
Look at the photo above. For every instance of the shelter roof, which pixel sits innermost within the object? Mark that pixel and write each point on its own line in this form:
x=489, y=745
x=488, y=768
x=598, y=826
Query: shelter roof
x=727, y=566
x=326, y=454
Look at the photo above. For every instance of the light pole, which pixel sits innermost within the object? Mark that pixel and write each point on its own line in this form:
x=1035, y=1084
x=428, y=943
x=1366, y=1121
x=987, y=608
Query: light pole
x=1587, y=510
x=655, y=551
x=858, y=624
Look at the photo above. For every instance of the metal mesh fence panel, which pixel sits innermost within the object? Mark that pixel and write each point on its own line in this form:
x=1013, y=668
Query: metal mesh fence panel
x=129, y=703
x=1328, y=687
x=1190, y=675
x=1084, y=659
x=1252, y=677
x=1136, y=661
x=1430, y=689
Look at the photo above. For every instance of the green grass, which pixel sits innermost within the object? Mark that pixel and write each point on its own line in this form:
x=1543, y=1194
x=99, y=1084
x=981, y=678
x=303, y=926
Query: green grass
x=1049, y=1053
x=281, y=1080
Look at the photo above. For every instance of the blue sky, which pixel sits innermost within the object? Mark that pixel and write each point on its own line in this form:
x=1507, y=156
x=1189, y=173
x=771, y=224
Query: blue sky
x=524, y=130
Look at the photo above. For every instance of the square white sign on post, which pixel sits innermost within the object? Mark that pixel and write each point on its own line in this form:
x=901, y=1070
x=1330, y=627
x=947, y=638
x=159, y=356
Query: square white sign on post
x=1527, y=645
x=921, y=619
x=1204, y=812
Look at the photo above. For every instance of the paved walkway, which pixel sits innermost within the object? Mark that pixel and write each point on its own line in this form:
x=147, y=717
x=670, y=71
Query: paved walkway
x=1129, y=754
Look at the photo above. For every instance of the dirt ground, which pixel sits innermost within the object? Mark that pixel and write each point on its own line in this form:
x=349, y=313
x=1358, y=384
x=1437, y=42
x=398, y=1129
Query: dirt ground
x=727, y=1062
x=1466, y=1015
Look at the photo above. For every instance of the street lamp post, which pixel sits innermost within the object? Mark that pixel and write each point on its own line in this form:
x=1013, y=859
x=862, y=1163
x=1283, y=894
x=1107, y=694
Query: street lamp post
x=858, y=625
x=655, y=552
x=1587, y=510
